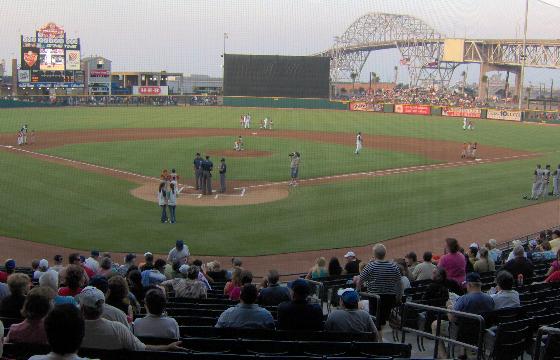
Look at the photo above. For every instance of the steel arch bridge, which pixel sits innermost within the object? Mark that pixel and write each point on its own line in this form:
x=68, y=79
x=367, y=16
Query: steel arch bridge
x=421, y=48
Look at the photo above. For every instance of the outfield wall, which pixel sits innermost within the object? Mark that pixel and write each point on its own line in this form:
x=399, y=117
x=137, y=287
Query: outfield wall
x=291, y=103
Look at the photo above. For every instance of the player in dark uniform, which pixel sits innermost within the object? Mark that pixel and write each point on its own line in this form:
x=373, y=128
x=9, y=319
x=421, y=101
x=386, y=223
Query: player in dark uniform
x=223, y=169
x=207, y=167
x=197, y=166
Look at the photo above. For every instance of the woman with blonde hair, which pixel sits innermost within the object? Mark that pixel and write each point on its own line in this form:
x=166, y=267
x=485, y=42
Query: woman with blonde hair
x=318, y=270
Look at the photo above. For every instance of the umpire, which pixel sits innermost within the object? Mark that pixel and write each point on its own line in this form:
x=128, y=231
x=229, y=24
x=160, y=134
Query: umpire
x=207, y=167
x=197, y=166
x=223, y=169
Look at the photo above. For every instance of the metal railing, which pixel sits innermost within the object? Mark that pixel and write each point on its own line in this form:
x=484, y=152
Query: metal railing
x=524, y=239
x=440, y=313
x=545, y=330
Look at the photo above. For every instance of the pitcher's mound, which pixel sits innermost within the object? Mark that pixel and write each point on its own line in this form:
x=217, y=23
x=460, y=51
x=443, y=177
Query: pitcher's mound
x=243, y=153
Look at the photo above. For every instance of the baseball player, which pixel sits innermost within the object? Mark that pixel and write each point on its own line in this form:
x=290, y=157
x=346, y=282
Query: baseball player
x=464, y=151
x=465, y=121
x=20, y=138
x=222, y=170
x=545, y=182
x=24, y=132
x=238, y=144
x=473, y=150
x=359, y=143
x=470, y=125
x=207, y=167
x=556, y=182
x=242, y=121
x=197, y=167
x=294, y=167
x=536, y=182
x=247, y=124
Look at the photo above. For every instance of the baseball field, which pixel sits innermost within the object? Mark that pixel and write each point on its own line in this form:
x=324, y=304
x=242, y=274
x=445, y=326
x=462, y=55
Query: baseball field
x=90, y=177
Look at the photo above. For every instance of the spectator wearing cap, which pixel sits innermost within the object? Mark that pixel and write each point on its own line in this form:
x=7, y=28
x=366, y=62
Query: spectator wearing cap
x=348, y=318
x=503, y=295
x=129, y=261
x=299, y=314
x=352, y=265
x=12, y=304
x=58, y=266
x=148, y=263
x=64, y=327
x=180, y=253
x=189, y=288
x=36, y=306
x=425, y=269
x=272, y=294
x=453, y=262
x=520, y=265
x=154, y=276
x=92, y=262
x=41, y=269
x=247, y=314
x=110, y=335
x=156, y=324
x=10, y=266
x=50, y=280
x=73, y=281
x=493, y=252
x=110, y=312
x=484, y=263
x=411, y=261
x=473, y=253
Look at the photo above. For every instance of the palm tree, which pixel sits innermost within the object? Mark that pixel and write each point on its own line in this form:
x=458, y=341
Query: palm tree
x=485, y=81
x=374, y=78
x=396, y=69
x=353, y=76
x=464, y=76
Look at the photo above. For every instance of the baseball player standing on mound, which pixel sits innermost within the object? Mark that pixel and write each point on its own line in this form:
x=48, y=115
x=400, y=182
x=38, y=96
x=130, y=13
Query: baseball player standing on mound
x=294, y=167
x=359, y=143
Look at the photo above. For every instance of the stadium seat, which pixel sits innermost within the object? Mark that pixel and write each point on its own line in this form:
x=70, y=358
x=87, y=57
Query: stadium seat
x=511, y=339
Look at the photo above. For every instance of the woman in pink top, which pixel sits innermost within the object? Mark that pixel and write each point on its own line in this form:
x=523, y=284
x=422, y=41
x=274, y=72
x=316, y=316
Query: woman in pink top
x=32, y=330
x=453, y=262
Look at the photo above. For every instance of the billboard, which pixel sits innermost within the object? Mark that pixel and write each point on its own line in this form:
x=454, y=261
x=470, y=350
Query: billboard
x=511, y=115
x=150, y=90
x=276, y=76
x=52, y=59
x=413, y=109
x=73, y=59
x=29, y=58
x=365, y=106
x=453, y=50
x=24, y=76
x=461, y=112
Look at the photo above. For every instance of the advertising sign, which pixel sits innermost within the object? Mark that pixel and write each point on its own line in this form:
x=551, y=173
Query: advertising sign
x=150, y=90
x=413, y=109
x=461, y=112
x=99, y=73
x=511, y=115
x=364, y=106
x=52, y=59
x=73, y=59
x=24, y=76
x=30, y=58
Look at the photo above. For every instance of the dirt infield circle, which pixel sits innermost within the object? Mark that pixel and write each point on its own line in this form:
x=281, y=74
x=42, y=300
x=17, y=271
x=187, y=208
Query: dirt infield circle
x=446, y=153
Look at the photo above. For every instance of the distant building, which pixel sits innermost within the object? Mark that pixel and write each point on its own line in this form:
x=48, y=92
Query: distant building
x=97, y=73
x=202, y=84
x=125, y=81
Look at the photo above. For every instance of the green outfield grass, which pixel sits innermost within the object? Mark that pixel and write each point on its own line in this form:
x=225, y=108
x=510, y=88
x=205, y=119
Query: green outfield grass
x=55, y=204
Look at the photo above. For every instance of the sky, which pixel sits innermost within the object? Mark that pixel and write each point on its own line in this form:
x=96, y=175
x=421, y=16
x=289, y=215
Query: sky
x=187, y=35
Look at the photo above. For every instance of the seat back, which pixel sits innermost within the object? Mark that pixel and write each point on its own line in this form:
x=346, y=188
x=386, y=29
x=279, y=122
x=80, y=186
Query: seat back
x=512, y=339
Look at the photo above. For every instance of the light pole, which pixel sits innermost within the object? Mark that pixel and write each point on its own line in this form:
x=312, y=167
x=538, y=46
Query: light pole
x=523, y=57
x=225, y=38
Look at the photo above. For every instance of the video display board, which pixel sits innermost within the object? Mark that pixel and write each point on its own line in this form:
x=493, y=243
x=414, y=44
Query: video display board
x=276, y=76
x=52, y=59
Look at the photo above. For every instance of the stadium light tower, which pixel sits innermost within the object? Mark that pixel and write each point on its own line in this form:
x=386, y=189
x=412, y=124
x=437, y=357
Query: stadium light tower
x=523, y=57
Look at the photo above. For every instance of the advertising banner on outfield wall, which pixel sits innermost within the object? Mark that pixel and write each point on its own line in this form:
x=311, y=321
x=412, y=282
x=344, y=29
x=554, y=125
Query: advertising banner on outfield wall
x=511, y=115
x=413, y=109
x=461, y=112
x=364, y=106
x=150, y=90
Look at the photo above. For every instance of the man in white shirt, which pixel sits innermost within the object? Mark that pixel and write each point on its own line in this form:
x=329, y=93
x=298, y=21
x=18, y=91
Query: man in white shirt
x=180, y=253
x=505, y=296
x=92, y=262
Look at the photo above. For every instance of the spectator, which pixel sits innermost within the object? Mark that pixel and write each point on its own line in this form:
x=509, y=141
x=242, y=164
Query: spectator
x=110, y=335
x=36, y=306
x=405, y=280
x=520, y=265
x=411, y=261
x=148, y=262
x=76, y=259
x=12, y=304
x=189, y=288
x=34, y=266
x=544, y=253
x=453, y=262
x=156, y=324
x=154, y=276
x=92, y=262
x=110, y=312
x=247, y=314
x=202, y=275
x=425, y=269
x=58, y=266
x=10, y=266
x=74, y=279
x=299, y=314
x=516, y=243
x=493, y=251
x=41, y=269
x=129, y=261
x=555, y=241
x=348, y=318
x=4, y=291
x=484, y=264
x=64, y=327
x=505, y=296
x=272, y=294
x=236, y=263
x=352, y=265
x=437, y=293
x=117, y=296
x=246, y=277
x=172, y=271
x=135, y=285
x=468, y=264
x=334, y=267
x=50, y=280
x=319, y=270
x=216, y=272
x=106, y=267
x=180, y=253
x=234, y=282
x=473, y=253
x=555, y=265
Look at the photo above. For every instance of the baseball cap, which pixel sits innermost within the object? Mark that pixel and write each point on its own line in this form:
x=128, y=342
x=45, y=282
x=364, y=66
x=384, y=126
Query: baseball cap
x=473, y=245
x=350, y=254
x=90, y=297
x=43, y=263
x=129, y=257
x=348, y=296
x=179, y=244
x=10, y=264
x=473, y=277
x=184, y=269
x=94, y=253
x=299, y=286
x=58, y=258
x=147, y=254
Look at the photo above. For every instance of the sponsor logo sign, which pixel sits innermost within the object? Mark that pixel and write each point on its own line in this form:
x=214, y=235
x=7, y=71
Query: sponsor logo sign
x=511, y=115
x=413, y=109
x=461, y=112
x=50, y=30
x=99, y=73
x=149, y=90
x=364, y=106
x=24, y=76
x=73, y=59
x=30, y=58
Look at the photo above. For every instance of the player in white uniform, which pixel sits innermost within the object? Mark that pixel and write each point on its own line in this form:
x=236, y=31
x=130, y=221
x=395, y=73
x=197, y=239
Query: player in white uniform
x=536, y=183
x=556, y=182
x=247, y=124
x=359, y=143
x=543, y=191
x=265, y=123
x=465, y=121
